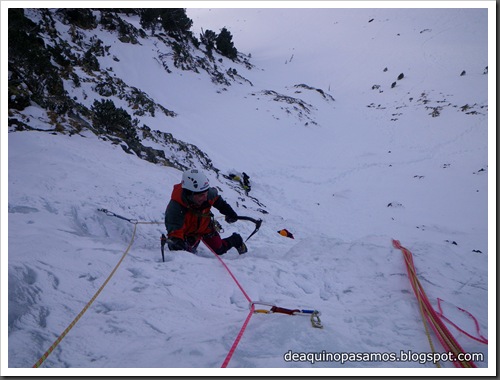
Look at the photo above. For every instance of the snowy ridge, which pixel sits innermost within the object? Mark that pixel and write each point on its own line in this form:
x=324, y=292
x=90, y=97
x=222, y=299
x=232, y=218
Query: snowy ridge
x=344, y=179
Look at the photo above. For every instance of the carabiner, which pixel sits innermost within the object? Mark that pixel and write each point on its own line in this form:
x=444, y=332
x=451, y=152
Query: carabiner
x=263, y=311
x=315, y=321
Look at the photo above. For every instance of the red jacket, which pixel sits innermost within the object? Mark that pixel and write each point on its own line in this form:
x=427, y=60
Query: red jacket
x=183, y=218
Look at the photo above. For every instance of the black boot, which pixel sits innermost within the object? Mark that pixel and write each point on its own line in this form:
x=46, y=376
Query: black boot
x=236, y=241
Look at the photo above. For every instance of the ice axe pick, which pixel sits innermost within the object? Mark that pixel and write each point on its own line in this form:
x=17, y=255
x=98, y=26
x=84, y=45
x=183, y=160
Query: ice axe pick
x=257, y=222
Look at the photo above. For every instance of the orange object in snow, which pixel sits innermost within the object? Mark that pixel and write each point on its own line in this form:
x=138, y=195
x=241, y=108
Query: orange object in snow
x=286, y=233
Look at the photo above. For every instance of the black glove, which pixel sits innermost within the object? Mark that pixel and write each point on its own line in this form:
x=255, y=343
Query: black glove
x=231, y=218
x=176, y=244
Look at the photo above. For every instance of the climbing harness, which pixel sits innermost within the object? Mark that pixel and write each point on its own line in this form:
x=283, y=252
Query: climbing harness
x=270, y=308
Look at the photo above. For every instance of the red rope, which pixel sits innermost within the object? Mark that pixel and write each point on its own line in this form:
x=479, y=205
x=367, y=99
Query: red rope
x=481, y=338
x=442, y=333
x=247, y=320
x=447, y=340
x=238, y=338
x=421, y=296
x=231, y=274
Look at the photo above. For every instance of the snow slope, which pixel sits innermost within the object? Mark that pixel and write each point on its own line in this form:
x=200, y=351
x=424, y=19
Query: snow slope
x=345, y=179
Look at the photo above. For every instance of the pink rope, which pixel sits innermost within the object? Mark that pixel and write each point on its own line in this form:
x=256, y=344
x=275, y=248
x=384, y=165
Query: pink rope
x=231, y=274
x=443, y=334
x=238, y=338
x=410, y=265
x=481, y=338
x=247, y=320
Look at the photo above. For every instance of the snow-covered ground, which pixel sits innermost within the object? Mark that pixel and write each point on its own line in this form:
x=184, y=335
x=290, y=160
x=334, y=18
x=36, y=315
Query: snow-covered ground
x=345, y=179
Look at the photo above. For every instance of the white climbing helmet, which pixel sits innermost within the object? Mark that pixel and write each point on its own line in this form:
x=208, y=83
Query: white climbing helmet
x=195, y=181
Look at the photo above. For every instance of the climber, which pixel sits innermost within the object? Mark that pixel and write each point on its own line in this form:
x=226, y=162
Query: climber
x=188, y=217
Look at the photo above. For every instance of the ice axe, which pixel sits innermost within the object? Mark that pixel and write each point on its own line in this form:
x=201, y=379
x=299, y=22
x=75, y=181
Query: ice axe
x=257, y=222
x=163, y=241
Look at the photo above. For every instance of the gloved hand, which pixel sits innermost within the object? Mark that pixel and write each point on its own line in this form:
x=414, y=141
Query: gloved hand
x=176, y=244
x=231, y=218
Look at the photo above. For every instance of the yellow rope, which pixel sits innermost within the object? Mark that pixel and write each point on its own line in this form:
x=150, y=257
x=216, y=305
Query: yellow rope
x=61, y=337
x=419, y=290
x=416, y=285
